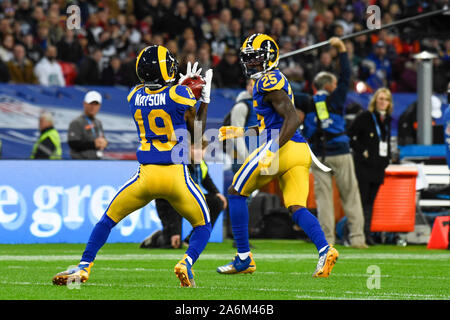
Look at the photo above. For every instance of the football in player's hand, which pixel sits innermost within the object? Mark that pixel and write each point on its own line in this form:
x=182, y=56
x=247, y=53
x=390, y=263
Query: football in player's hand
x=196, y=84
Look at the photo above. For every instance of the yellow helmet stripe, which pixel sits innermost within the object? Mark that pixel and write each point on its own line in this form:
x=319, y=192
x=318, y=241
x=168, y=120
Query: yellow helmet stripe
x=139, y=57
x=259, y=39
x=162, y=58
x=248, y=41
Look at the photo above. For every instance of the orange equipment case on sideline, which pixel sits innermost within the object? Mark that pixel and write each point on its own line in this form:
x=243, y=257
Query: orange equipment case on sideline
x=394, y=209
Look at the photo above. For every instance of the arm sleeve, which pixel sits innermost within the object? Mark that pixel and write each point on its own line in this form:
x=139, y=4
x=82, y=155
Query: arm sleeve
x=338, y=97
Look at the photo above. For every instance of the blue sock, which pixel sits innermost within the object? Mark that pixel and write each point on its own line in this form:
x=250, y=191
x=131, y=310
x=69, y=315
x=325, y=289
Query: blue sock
x=309, y=223
x=239, y=221
x=198, y=241
x=98, y=238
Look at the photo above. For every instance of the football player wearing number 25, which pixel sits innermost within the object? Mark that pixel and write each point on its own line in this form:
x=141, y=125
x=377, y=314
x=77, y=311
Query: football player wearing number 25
x=280, y=143
x=162, y=111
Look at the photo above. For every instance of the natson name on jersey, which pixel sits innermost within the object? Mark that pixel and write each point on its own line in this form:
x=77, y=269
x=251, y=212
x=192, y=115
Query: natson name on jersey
x=144, y=100
x=160, y=123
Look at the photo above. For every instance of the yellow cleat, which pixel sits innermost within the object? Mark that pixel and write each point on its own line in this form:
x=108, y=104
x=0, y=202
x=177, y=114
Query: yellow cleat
x=183, y=270
x=80, y=274
x=326, y=263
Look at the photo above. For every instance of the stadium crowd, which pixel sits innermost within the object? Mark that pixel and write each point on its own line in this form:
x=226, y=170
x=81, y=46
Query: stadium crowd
x=37, y=47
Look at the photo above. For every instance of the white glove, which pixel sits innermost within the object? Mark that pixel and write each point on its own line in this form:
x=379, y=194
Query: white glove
x=206, y=91
x=190, y=72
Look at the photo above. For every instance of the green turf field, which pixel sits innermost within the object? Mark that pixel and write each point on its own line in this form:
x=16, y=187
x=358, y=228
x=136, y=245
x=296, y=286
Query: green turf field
x=284, y=268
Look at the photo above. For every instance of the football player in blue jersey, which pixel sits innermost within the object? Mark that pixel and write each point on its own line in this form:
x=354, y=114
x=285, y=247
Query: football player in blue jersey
x=283, y=153
x=163, y=113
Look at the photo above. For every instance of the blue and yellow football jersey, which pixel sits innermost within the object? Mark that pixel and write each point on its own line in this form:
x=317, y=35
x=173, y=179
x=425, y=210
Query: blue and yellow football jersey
x=268, y=118
x=159, y=119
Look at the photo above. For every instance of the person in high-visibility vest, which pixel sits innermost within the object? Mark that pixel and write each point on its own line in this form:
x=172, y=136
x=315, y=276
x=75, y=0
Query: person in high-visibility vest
x=48, y=146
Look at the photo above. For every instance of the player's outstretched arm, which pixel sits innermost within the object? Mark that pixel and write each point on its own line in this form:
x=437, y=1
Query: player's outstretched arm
x=196, y=120
x=205, y=100
x=283, y=106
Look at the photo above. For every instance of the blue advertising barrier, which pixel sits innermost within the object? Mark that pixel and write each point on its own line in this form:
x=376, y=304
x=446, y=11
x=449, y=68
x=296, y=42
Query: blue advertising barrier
x=59, y=201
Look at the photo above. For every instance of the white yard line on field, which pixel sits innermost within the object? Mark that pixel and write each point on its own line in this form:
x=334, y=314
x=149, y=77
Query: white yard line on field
x=354, y=275
x=297, y=293
x=208, y=256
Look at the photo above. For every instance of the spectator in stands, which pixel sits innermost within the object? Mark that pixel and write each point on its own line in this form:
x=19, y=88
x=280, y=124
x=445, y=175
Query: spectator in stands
x=238, y=8
x=85, y=135
x=48, y=70
x=48, y=145
x=235, y=39
x=354, y=62
x=132, y=24
x=34, y=51
x=325, y=63
x=370, y=135
x=347, y=22
x=318, y=30
x=37, y=16
x=143, y=8
x=107, y=45
x=367, y=73
x=5, y=27
x=324, y=127
x=4, y=73
x=198, y=21
x=120, y=37
x=204, y=57
x=24, y=12
x=42, y=35
x=229, y=72
x=407, y=80
x=69, y=49
x=382, y=63
x=56, y=32
x=6, y=49
x=90, y=69
x=20, y=67
x=362, y=44
x=180, y=19
x=170, y=235
x=290, y=68
x=216, y=40
x=247, y=22
x=114, y=74
x=212, y=8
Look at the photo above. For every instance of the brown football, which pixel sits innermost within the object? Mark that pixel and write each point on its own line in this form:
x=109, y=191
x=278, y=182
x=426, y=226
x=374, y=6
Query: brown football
x=196, y=84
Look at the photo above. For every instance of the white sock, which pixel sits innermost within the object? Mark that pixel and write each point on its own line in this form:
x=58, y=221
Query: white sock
x=244, y=255
x=189, y=259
